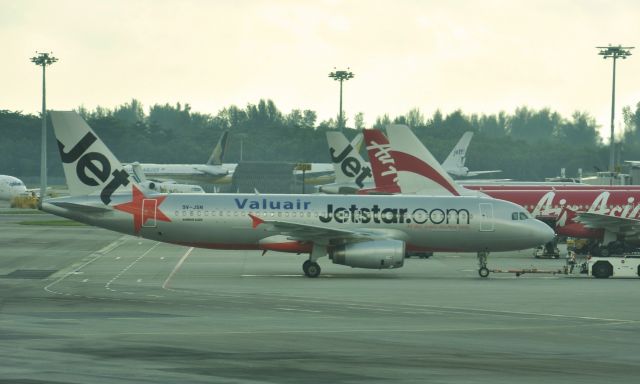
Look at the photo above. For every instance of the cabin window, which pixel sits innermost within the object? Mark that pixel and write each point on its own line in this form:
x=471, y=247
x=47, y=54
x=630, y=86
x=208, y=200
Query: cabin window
x=286, y=214
x=514, y=216
x=293, y=214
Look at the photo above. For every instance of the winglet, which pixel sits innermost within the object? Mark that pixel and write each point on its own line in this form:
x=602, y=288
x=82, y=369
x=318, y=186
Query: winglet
x=255, y=221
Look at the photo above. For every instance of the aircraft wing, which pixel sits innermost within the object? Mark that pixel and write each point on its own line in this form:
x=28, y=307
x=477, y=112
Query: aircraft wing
x=476, y=173
x=612, y=223
x=309, y=232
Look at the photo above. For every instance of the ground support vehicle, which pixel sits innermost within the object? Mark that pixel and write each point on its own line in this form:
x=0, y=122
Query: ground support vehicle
x=614, y=266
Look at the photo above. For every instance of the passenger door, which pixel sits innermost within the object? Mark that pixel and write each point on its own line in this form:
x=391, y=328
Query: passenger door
x=486, y=217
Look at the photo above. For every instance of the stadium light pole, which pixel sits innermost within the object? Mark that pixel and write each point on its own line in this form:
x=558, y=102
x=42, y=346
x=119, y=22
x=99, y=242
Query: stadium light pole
x=43, y=59
x=341, y=76
x=613, y=52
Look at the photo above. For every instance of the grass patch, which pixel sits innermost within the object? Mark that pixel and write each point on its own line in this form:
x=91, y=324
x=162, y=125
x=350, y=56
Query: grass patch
x=53, y=223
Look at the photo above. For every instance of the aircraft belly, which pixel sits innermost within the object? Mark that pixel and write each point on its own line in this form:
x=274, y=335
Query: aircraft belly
x=207, y=234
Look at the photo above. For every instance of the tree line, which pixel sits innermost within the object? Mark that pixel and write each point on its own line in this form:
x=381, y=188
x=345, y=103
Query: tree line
x=527, y=144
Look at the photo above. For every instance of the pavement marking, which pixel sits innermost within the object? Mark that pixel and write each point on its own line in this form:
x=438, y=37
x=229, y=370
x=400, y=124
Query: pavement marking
x=298, y=310
x=96, y=255
x=271, y=275
x=108, y=285
x=505, y=312
x=165, y=285
x=525, y=328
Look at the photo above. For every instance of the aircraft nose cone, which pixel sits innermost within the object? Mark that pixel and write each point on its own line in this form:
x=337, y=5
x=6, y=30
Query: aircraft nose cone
x=543, y=233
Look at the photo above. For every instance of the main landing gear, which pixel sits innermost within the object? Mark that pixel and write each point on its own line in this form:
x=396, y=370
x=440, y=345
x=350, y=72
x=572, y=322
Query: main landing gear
x=310, y=267
x=483, y=271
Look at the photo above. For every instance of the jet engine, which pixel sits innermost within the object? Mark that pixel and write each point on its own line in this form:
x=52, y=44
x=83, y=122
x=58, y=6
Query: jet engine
x=375, y=254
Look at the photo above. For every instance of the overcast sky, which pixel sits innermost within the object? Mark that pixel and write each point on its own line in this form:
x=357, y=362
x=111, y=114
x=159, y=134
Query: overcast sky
x=479, y=56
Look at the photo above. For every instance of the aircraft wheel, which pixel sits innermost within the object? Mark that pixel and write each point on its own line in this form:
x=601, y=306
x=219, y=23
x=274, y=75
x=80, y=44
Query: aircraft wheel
x=312, y=268
x=305, y=266
x=483, y=272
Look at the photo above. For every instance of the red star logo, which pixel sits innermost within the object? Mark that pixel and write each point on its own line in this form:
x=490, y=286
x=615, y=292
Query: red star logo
x=143, y=208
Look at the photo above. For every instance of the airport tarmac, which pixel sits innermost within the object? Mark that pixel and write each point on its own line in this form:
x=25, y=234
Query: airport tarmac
x=84, y=305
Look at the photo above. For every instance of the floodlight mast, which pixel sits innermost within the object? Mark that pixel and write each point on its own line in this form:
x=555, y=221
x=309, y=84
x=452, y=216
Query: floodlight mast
x=341, y=76
x=43, y=59
x=613, y=52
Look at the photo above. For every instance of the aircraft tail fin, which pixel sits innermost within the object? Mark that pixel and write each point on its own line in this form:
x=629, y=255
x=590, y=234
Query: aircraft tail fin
x=383, y=166
x=89, y=166
x=217, y=156
x=457, y=157
x=348, y=165
x=138, y=174
x=418, y=171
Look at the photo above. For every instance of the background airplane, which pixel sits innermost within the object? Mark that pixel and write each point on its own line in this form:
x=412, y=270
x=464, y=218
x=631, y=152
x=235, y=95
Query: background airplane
x=211, y=172
x=162, y=186
x=357, y=231
x=11, y=187
x=454, y=163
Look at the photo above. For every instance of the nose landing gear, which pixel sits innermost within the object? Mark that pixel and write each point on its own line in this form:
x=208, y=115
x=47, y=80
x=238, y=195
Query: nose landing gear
x=483, y=271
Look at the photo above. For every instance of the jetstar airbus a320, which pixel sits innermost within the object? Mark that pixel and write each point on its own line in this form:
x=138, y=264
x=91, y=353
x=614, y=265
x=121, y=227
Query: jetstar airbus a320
x=358, y=231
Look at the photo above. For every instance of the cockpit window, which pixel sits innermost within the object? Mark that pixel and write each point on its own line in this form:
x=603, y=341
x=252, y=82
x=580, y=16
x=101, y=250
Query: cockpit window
x=520, y=216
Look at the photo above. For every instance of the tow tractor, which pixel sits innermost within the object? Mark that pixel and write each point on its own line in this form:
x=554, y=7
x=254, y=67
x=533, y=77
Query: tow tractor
x=627, y=265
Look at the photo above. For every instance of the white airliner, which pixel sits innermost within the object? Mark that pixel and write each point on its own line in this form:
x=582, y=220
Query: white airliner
x=11, y=187
x=210, y=172
x=454, y=163
x=162, y=186
x=357, y=231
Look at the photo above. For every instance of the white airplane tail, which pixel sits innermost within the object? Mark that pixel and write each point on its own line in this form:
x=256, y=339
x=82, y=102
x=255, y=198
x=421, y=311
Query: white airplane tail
x=348, y=165
x=418, y=171
x=457, y=157
x=89, y=166
x=217, y=156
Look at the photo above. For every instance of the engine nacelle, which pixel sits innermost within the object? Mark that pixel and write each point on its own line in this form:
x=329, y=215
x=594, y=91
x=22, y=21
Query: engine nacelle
x=376, y=254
